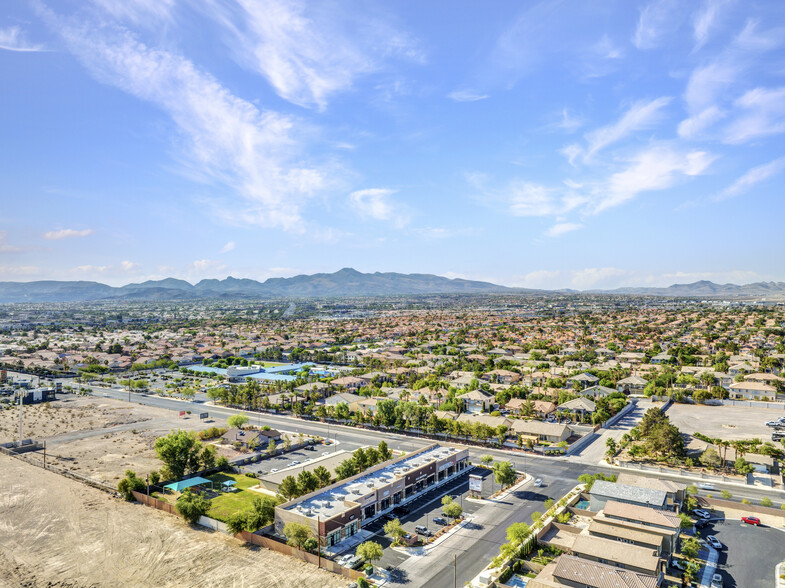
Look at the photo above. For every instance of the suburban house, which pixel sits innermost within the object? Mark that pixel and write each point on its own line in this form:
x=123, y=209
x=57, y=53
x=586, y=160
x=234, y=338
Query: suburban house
x=631, y=385
x=581, y=406
x=675, y=491
x=502, y=376
x=541, y=431
x=540, y=408
x=584, y=380
x=250, y=438
x=635, y=558
x=661, y=358
x=349, y=382
x=313, y=388
x=664, y=523
x=577, y=572
x=751, y=390
x=596, y=392
x=477, y=401
x=602, y=492
x=343, y=397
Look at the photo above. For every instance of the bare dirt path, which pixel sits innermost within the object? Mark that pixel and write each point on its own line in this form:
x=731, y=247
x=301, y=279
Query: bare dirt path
x=57, y=532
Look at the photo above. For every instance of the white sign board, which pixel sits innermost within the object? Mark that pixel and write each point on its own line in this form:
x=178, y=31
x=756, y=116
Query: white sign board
x=475, y=483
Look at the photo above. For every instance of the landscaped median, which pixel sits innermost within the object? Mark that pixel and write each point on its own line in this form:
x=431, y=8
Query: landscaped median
x=522, y=539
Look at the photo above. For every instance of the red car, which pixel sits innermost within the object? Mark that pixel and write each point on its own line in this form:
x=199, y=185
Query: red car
x=750, y=520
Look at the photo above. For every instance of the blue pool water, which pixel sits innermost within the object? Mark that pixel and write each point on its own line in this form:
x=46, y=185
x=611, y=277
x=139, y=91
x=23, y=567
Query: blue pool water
x=517, y=581
x=582, y=504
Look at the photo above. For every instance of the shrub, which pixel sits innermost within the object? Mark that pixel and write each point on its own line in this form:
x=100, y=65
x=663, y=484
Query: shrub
x=765, y=501
x=192, y=506
x=745, y=501
x=130, y=483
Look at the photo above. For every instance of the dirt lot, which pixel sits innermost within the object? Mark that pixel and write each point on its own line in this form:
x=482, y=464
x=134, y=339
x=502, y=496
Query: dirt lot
x=57, y=532
x=100, y=437
x=724, y=422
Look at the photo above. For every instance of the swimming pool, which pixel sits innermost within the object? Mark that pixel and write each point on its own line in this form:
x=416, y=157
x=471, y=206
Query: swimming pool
x=582, y=504
x=518, y=581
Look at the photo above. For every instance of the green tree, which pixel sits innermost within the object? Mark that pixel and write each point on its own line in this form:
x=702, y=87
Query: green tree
x=307, y=482
x=237, y=421
x=765, y=501
x=297, y=534
x=384, y=451
x=504, y=473
x=370, y=551
x=395, y=529
x=742, y=466
x=289, y=488
x=486, y=460
x=453, y=510
x=518, y=532
x=322, y=475
x=686, y=522
x=180, y=452
x=207, y=457
x=710, y=458
x=237, y=522
x=690, y=546
x=192, y=506
x=130, y=484
x=271, y=447
x=155, y=477
x=611, y=447
x=726, y=494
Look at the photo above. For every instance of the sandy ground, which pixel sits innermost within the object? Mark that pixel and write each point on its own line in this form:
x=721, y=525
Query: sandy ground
x=724, y=422
x=101, y=437
x=57, y=532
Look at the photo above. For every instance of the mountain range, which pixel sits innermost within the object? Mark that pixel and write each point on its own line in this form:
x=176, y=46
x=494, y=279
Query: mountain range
x=343, y=283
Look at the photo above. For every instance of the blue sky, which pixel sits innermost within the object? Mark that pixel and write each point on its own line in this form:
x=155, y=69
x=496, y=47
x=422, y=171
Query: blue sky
x=549, y=145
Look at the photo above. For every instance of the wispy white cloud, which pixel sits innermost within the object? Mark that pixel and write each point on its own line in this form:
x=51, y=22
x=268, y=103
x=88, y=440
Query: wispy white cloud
x=67, y=234
x=228, y=247
x=705, y=19
x=562, y=228
x=655, y=168
x=754, y=176
x=129, y=266
x=763, y=114
x=694, y=126
x=641, y=115
x=224, y=139
x=656, y=20
x=568, y=122
x=14, y=39
x=466, y=95
x=124, y=267
x=150, y=12
x=594, y=277
x=307, y=56
x=376, y=203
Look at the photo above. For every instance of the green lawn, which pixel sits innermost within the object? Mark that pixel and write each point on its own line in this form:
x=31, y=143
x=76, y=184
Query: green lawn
x=269, y=363
x=228, y=503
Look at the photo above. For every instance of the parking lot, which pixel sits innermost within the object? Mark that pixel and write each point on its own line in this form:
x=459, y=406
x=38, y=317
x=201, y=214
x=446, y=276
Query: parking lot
x=424, y=509
x=749, y=553
x=724, y=422
x=280, y=462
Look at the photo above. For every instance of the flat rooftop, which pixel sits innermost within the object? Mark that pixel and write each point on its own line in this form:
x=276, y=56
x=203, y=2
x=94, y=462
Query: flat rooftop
x=330, y=462
x=332, y=502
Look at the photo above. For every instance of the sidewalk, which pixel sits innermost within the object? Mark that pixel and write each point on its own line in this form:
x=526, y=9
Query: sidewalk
x=710, y=568
x=689, y=479
x=499, y=497
x=426, y=549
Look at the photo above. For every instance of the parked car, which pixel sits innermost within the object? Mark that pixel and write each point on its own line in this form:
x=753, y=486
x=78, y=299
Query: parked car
x=420, y=530
x=388, y=517
x=309, y=448
x=347, y=560
x=538, y=482
x=716, y=581
x=679, y=564
x=701, y=523
x=751, y=520
x=294, y=463
x=272, y=471
x=714, y=542
x=704, y=514
x=401, y=510
x=439, y=521
x=776, y=423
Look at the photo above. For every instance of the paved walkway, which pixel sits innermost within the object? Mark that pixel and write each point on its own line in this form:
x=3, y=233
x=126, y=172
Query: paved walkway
x=710, y=568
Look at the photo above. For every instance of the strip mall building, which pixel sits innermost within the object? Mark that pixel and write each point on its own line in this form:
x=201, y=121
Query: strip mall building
x=338, y=511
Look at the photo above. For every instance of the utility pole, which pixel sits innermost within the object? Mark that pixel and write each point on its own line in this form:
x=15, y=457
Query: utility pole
x=455, y=570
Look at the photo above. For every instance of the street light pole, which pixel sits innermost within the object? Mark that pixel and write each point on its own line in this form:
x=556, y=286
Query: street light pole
x=455, y=570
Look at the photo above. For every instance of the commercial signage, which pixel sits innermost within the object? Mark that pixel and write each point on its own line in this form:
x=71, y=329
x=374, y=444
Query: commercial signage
x=475, y=483
x=203, y=415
